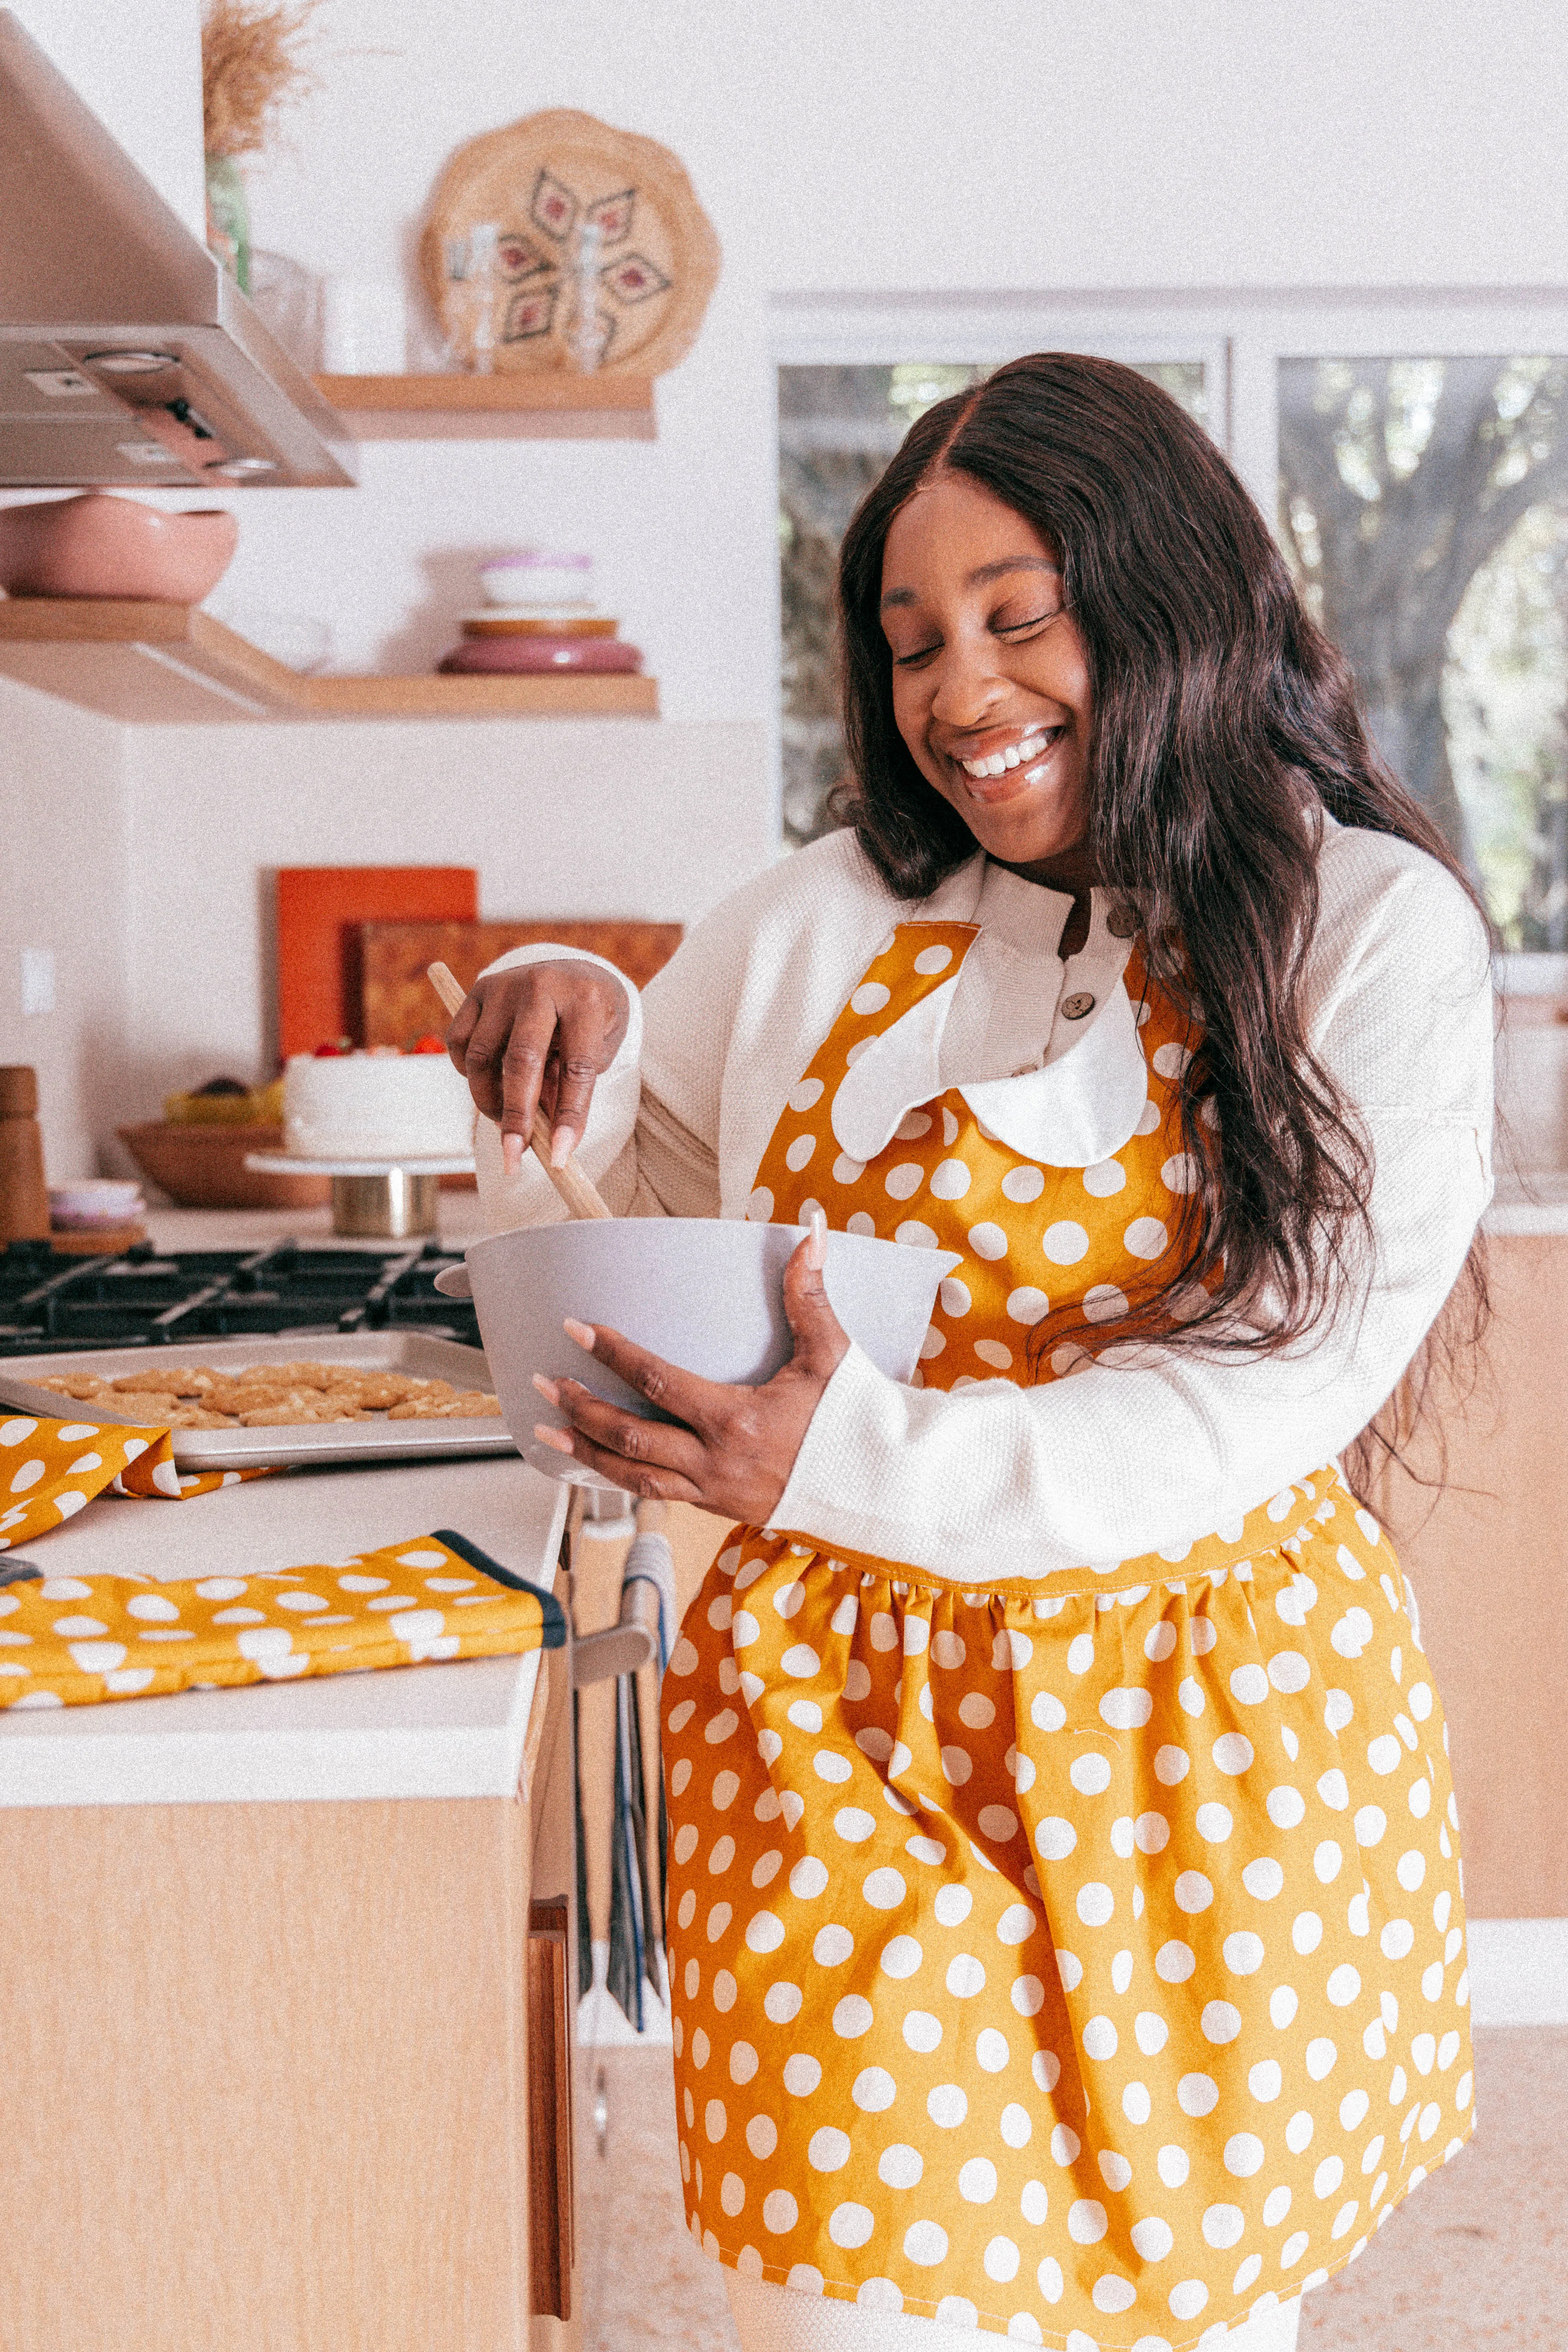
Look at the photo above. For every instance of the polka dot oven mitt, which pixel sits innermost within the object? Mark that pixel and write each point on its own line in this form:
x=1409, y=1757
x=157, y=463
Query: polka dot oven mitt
x=48, y=1469
x=71, y=1641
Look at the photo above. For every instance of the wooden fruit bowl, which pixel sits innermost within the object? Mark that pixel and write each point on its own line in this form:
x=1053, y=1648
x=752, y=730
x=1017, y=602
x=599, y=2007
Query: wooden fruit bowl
x=204, y=1167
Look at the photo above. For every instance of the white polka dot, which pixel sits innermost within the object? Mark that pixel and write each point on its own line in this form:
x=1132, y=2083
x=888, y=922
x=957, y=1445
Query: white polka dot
x=992, y=1352
x=1087, y=2222
x=1065, y=1242
x=925, y=2242
x=1049, y=2277
x=1127, y=1709
x=904, y=1182
x=1054, y=1838
x=827, y=2150
x=1150, y=1832
x=1172, y=2165
x=950, y=1181
x=956, y=1296
x=1285, y=1806
x=1282, y=2007
x=1266, y=2080
x=1197, y=2095
x=965, y=1975
x=1223, y=2225
x=1175, y=1961
x=1320, y=2056
x=1098, y=2038
x=779, y=2211
x=1023, y=1184
x=1188, y=2299
x=1244, y=2155
x=923, y=2031
x=801, y=2075
x=1001, y=2260
x=1028, y=1996
x=1306, y=1932
x=947, y=2105
x=977, y=2181
x=1243, y=1953
x=869, y=998
x=1171, y=1765
x=1232, y=1752
x=914, y=1234
x=1249, y=1686
x=760, y=1207
x=1015, y=2125
x=761, y=2137
x=1263, y=1878
x=932, y=960
x=1146, y=1238
x=874, y=2090
x=1343, y=1985
x=806, y=1094
x=1192, y=1891
x=988, y=1241
x=1221, y=2021
x=1288, y=1670
x=1151, y=2031
x=1106, y=1177
x=901, y=2165
x=1090, y=1773
x=1213, y=1823
x=799, y=1152
x=1026, y=1305
x=1396, y=1939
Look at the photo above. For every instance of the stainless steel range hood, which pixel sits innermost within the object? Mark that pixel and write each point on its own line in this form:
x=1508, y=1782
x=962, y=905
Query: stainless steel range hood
x=127, y=354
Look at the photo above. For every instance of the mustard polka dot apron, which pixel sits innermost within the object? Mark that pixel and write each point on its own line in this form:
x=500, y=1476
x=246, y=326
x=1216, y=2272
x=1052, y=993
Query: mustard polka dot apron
x=1082, y=1959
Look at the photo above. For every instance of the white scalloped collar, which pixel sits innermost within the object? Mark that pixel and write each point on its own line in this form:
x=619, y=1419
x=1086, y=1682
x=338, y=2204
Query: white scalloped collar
x=1080, y=1108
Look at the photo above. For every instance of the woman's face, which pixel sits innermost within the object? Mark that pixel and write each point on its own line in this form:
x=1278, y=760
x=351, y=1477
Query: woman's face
x=989, y=680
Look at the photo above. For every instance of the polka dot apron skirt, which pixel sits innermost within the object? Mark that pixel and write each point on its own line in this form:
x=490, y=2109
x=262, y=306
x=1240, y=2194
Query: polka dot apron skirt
x=1077, y=1959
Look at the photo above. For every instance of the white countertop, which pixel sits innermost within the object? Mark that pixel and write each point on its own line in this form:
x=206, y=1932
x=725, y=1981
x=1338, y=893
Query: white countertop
x=452, y=1730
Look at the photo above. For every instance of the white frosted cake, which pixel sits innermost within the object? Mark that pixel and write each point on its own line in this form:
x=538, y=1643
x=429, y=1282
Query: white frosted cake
x=382, y=1106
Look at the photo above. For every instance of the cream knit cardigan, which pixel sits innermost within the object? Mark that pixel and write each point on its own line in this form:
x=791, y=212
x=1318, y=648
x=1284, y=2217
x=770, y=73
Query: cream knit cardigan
x=1148, y=1448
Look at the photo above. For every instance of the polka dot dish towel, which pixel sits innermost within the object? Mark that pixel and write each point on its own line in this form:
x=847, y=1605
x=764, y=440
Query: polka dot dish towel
x=48, y=1469
x=70, y=1641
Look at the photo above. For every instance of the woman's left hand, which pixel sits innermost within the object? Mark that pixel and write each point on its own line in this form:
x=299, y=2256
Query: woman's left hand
x=734, y=1448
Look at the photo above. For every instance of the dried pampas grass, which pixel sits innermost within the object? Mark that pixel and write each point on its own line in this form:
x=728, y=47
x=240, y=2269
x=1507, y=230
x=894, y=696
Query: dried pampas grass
x=250, y=68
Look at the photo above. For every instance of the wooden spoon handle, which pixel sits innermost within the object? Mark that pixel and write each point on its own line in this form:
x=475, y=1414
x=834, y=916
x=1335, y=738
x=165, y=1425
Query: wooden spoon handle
x=581, y=1198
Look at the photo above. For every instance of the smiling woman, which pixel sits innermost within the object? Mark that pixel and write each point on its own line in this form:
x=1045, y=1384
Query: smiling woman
x=1016, y=1982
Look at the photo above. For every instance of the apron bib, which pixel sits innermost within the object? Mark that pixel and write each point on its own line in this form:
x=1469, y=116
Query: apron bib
x=1080, y=1958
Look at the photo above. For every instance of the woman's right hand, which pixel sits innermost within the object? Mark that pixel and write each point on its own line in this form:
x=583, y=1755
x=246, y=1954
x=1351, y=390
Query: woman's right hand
x=536, y=1036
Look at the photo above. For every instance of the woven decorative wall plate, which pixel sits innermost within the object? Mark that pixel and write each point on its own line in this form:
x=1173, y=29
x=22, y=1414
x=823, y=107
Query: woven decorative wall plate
x=649, y=258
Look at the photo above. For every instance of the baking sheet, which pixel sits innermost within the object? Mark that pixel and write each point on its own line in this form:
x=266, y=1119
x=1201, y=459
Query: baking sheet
x=422, y=1358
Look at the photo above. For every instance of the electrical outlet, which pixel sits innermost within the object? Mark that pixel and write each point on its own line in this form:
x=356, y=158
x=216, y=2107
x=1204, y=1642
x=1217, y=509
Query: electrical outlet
x=37, y=980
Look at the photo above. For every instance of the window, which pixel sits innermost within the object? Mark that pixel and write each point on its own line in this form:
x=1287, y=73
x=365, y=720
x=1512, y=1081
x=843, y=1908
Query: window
x=1424, y=505
x=1415, y=460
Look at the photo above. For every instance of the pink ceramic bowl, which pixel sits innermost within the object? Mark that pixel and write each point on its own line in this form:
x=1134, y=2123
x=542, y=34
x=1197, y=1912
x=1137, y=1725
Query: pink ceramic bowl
x=98, y=545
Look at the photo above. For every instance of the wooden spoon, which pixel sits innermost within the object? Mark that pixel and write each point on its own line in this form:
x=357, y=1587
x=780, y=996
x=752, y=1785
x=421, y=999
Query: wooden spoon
x=581, y=1198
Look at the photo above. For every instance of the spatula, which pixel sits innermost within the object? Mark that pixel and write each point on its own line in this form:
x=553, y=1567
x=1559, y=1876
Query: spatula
x=581, y=1198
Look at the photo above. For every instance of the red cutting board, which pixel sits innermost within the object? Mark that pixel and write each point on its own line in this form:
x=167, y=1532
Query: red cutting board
x=320, y=910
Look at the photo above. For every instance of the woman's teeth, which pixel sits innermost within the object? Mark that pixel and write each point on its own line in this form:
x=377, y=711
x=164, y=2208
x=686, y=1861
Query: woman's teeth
x=998, y=762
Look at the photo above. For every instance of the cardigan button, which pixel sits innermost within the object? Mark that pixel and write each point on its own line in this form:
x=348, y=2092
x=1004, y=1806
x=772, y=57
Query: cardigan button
x=1074, y=1007
x=1121, y=921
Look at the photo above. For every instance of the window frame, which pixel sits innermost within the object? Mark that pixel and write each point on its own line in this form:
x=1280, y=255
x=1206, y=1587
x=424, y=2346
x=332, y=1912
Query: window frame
x=1240, y=337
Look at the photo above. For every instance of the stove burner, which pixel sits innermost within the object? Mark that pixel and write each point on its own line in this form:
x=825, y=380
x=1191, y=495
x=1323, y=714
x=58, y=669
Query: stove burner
x=53, y=1304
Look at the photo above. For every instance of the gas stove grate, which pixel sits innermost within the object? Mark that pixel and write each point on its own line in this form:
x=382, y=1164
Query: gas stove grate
x=50, y=1303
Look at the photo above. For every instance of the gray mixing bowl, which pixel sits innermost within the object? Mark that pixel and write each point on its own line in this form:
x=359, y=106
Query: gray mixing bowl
x=706, y=1293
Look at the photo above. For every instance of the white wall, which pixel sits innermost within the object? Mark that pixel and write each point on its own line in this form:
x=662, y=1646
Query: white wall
x=915, y=147
x=601, y=816
x=64, y=866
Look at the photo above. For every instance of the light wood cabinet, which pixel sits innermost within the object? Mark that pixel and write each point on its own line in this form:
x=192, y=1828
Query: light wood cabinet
x=267, y=2083
x=1488, y=1557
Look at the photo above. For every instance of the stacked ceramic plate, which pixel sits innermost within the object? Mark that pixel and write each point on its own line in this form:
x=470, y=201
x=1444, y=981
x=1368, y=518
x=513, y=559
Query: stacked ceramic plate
x=540, y=619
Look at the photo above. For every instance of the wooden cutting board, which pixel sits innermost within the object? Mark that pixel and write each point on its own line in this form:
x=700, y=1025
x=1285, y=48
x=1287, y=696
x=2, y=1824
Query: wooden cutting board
x=398, y=1003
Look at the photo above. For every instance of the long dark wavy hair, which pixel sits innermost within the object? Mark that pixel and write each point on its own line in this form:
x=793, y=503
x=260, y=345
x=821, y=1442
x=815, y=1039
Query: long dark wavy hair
x=1222, y=715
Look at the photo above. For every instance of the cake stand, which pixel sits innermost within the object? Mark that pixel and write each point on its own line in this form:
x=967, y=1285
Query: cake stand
x=392, y=1200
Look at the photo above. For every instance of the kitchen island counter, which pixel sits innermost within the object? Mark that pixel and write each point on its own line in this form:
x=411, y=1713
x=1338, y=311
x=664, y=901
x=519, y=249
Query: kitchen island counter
x=448, y=1731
